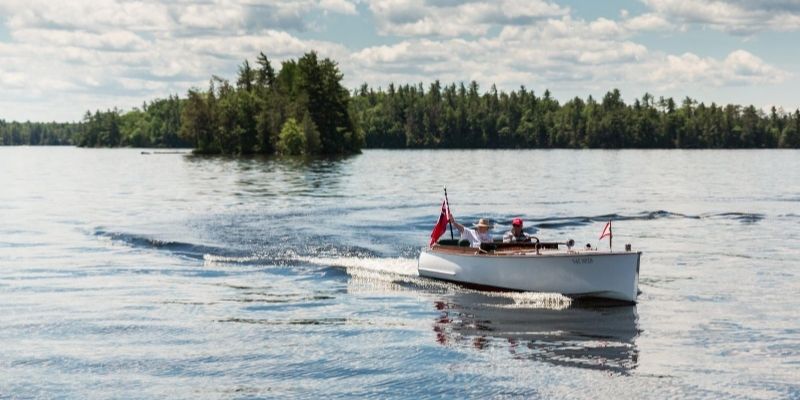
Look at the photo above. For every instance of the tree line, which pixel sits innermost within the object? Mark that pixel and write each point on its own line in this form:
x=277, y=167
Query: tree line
x=37, y=133
x=459, y=116
x=304, y=109
x=155, y=124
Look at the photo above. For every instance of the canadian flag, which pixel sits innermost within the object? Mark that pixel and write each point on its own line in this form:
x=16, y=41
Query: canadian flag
x=606, y=231
x=441, y=223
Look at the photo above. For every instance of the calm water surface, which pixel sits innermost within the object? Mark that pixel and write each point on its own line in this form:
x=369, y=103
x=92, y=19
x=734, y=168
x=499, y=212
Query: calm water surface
x=125, y=275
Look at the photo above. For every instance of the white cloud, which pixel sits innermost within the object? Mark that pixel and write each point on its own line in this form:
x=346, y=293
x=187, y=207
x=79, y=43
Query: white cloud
x=743, y=17
x=647, y=22
x=738, y=68
x=120, y=53
x=169, y=17
x=562, y=50
x=605, y=28
x=87, y=15
x=277, y=45
x=560, y=53
x=207, y=16
x=445, y=18
x=79, y=55
x=111, y=40
x=339, y=6
x=742, y=66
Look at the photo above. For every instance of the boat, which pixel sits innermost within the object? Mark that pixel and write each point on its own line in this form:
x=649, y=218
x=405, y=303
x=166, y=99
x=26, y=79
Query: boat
x=538, y=267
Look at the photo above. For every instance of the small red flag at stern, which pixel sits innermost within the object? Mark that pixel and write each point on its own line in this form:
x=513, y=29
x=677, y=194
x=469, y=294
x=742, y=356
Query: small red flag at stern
x=606, y=231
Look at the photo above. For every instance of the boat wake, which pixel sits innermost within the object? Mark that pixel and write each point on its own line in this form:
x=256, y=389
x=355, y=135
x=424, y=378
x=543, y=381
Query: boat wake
x=388, y=265
x=143, y=241
x=366, y=273
x=243, y=241
x=382, y=275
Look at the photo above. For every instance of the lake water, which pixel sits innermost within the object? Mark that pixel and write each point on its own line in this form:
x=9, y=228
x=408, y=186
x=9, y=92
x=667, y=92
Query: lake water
x=130, y=275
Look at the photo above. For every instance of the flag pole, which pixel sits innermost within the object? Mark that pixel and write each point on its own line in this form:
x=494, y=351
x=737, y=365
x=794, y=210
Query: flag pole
x=610, y=235
x=448, y=213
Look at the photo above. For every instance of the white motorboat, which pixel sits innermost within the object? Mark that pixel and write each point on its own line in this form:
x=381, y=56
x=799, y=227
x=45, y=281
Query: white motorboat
x=538, y=267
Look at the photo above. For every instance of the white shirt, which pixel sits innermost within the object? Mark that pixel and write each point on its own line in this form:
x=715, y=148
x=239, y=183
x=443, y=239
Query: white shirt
x=476, y=238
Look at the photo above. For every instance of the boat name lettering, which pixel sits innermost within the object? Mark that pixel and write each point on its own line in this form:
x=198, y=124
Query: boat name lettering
x=582, y=260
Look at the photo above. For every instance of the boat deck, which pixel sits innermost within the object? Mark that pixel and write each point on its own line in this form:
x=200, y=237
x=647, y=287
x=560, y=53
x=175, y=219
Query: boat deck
x=504, y=249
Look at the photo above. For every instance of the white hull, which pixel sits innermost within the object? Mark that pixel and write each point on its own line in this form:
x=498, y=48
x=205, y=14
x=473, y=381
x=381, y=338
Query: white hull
x=576, y=274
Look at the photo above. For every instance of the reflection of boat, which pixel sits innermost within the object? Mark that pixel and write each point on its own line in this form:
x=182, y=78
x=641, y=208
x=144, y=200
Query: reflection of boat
x=597, y=338
x=535, y=267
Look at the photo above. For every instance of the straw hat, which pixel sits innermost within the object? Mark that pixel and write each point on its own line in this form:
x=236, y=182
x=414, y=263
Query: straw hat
x=483, y=223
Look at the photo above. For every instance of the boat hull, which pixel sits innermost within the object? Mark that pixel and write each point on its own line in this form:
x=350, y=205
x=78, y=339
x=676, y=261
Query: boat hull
x=612, y=276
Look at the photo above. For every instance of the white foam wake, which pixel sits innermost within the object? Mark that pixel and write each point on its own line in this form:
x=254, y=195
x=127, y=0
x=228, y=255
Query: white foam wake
x=215, y=259
x=388, y=274
x=399, y=265
x=372, y=274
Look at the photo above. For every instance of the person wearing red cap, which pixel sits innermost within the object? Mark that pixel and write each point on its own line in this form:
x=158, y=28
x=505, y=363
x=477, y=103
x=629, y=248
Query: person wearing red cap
x=516, y=235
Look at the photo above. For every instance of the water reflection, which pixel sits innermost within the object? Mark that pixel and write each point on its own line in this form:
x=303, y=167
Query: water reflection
x=602, y=338
x=259, y=175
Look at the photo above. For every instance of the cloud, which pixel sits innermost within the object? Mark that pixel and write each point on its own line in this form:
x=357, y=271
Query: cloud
x=80, y=54
x=112, y=40
x=738, y=68
x=179, y=17
x=739, y=17
x=339, y=6
x=451, y=18
x=647, y=22
x=563, y=53
x=120, y=53
x=206, y=16
x=551, y=51
x=87, y=15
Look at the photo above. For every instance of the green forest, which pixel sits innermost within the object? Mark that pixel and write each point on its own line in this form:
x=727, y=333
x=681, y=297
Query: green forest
x=304, y=109
x=459, y=116
x=38, y=133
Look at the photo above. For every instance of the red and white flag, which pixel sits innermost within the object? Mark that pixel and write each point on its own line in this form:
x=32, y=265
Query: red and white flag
x=441, y=223
x=606, y=231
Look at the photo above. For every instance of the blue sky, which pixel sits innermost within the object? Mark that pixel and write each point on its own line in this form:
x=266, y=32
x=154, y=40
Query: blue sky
x=59, y=59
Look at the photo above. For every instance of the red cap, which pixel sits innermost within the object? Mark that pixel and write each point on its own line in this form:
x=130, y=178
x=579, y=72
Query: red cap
x=516, y=222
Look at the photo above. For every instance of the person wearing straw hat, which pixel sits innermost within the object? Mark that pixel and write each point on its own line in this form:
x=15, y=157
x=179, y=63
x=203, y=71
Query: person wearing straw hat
x=516, y=235
x=475, y=236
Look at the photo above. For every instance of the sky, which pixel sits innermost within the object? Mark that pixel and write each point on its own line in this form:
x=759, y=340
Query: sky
x=59, y=59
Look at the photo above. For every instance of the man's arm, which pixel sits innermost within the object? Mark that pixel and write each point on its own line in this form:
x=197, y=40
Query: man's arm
x=527, y=237
x=457, y=225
